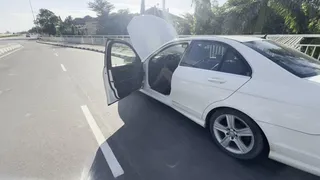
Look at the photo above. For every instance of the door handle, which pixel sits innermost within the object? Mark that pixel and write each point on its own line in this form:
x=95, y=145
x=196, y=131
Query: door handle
x=217, y=80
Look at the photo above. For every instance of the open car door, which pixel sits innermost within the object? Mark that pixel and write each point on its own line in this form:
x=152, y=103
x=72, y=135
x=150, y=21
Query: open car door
x=122, y=72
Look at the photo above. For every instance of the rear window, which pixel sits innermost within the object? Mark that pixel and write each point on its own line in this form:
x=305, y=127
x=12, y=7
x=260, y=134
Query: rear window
x=290, y=59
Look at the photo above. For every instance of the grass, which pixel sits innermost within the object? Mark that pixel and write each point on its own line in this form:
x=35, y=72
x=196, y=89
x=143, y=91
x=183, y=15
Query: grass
x=8, y=35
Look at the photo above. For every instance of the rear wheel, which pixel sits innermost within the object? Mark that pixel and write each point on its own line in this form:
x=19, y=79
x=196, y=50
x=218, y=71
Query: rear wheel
x=236, y=134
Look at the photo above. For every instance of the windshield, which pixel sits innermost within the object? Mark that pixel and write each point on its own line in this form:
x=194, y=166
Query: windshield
x=290, y=59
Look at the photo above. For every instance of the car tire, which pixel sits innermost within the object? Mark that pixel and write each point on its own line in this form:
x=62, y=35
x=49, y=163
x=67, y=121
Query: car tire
x=236, y=140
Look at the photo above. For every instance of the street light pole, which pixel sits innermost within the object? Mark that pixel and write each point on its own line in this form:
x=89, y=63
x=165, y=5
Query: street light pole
x=163, y=5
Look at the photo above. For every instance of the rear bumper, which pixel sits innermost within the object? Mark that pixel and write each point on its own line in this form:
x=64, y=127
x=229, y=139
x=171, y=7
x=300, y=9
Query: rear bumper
x=293, y=148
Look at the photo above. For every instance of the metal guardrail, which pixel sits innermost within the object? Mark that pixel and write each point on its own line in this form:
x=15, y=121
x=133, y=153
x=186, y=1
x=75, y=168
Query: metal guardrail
x=93, y=40
x=292, y=40
x=312, y=50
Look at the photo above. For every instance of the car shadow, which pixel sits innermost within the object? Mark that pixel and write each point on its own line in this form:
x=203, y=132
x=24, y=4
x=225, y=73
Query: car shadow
x=159, y=143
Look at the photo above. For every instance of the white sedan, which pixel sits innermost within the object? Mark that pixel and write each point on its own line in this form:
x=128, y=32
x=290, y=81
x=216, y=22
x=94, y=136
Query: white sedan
x=254, y=95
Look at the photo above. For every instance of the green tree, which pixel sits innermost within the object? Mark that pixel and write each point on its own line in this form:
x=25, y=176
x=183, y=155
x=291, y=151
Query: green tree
x=185, y=26
x=68, y=21
x=117, y=22
x=255, y=16
x=208, y=17
x=47, y=21
x=244, y=16
x=110, y=23
x=34, y=30
x=103, y=9
x=203, y=16
x=301, y=16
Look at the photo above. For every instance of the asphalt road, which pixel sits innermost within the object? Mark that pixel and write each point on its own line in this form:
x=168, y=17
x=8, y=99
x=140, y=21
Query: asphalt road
x=55, y=124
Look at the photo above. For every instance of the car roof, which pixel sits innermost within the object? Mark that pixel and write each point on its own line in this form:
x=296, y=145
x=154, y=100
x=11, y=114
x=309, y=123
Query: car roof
x=242, y=38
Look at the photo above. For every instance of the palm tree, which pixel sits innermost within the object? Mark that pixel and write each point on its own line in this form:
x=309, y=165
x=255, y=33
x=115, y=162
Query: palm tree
x=247, y=15
x=203, y=15
x=251, y=15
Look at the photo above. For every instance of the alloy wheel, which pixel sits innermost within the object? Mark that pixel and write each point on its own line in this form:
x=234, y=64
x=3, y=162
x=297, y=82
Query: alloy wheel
x=233, y=134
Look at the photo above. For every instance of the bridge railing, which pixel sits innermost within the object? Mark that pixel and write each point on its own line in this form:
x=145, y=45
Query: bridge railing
x=310, y=49
x=93, y=40
x=292, y=40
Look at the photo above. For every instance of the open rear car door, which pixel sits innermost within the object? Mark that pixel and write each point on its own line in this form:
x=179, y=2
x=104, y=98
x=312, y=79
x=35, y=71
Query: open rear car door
x=122, y=72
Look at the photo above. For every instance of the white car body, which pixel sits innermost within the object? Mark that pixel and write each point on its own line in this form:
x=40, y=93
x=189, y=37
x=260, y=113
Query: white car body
x=285, y=107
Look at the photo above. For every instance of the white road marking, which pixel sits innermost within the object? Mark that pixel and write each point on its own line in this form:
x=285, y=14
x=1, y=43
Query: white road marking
x=112, y=161
x=56, y=54
x=63, y=68
x=10, y=52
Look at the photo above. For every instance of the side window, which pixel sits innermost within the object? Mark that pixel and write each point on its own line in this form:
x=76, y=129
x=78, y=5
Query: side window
x=205, y=55
x=234, y=64
x=169, y=57
x=122, y=55
x=174, y=51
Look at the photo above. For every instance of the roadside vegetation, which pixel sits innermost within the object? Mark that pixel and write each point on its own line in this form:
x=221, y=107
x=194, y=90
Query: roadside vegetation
x=233, y=17
x=8, y=35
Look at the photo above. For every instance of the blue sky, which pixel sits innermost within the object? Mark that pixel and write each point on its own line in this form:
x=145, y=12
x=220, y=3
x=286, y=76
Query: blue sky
x=15, y=15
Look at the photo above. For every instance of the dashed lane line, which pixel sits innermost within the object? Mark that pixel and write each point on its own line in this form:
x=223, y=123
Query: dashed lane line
x=63, y=68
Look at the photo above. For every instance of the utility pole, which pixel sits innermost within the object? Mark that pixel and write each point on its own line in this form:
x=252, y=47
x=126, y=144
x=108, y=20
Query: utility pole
x=143, y=7
x=34, y=19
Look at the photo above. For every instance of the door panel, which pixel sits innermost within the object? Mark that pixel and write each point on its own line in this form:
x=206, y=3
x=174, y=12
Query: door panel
x=123, y=71
x=198, y=81
x=126, y=79
x=194, y=89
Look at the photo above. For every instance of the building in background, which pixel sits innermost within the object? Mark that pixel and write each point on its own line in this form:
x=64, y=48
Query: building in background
x=87, y=25
x=91, y=27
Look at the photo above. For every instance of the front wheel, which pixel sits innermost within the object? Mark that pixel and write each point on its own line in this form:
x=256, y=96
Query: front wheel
x=236, y=134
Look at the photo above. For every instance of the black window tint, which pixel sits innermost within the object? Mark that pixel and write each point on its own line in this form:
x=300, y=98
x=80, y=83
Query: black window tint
x=170, y=56
x=292, y=60
x=233, y=63
x=205, y=55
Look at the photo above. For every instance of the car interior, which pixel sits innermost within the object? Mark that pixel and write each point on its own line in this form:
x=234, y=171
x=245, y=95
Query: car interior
x=157, y=81
x=215, y=57
x=206, y=56
x=202, y=55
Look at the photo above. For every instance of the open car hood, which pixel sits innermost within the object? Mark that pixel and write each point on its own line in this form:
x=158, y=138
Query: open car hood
x=148, y=33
